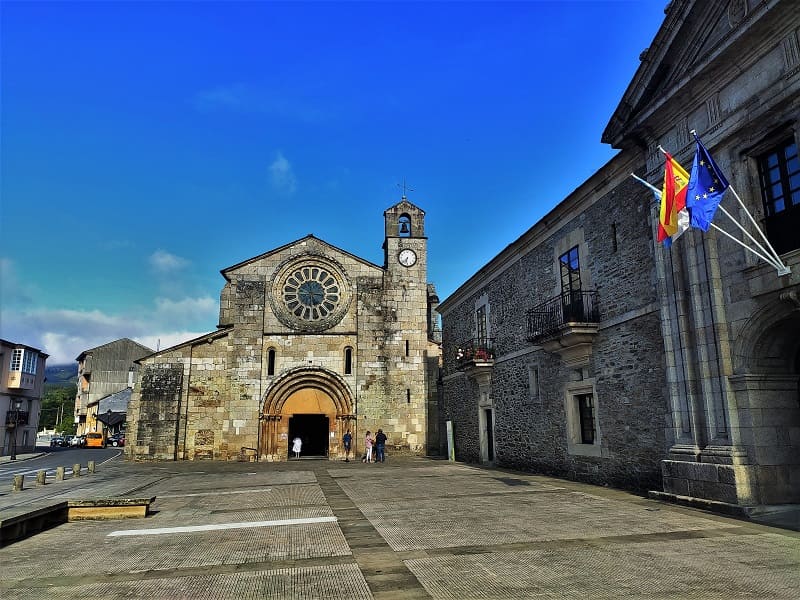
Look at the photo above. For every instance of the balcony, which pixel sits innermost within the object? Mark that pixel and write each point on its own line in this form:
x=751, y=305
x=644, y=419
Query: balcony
x=476, y=358
x=566, y=325
x=17, y=380
x=15, y=417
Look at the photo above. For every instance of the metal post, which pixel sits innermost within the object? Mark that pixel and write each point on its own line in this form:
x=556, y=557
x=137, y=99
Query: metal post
x=17, y=404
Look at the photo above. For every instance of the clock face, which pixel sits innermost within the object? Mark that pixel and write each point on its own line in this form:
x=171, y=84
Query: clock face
x=407, y=257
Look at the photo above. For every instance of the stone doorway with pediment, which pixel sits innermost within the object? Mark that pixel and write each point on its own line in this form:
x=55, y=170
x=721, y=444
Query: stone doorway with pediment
x=311, y=403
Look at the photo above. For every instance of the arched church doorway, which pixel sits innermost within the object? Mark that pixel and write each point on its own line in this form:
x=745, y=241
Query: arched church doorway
x=313, y=431
x=310, y=403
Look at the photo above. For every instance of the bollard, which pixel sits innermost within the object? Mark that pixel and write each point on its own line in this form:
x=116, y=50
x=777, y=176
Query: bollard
x=76, y=470
x=41, y=477
x=59, y=473
x=19, y=482
x=90, y=466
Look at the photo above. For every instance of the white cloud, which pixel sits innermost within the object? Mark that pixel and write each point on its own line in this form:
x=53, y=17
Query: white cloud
x=164, y=262
x=64, y=334
x=231, y=97
x=281, y=174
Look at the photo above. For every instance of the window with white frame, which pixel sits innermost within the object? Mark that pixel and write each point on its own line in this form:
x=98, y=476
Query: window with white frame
x=24, y=360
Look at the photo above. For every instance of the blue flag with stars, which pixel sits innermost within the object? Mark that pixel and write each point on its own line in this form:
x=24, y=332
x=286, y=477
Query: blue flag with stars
x=706, y=186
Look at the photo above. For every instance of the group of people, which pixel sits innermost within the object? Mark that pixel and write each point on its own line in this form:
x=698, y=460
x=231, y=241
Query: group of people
x=378, y=444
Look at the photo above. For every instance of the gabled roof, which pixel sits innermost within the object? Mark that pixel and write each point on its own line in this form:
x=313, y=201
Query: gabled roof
x=310, y=236
x=404, y=205
x=206, y=337
x=681, y=66
x=145, y=349
x=116, y=402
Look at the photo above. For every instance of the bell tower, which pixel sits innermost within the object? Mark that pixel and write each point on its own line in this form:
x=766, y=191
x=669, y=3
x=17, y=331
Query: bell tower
x=405, y=323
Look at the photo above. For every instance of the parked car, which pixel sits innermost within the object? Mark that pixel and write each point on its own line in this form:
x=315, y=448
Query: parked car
x=77, y=440
x=68, y=440
x=57, y=442
x=116, y=439
x=95, y=439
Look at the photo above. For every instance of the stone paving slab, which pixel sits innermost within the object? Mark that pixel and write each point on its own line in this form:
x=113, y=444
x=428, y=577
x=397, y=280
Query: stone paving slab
x=446, y=521
x=302, y=583
x=409, y=529
x=89, y=544
x=709, y=568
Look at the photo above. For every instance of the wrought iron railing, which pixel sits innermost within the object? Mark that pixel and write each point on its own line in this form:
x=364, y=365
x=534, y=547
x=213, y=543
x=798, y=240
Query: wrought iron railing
x=549, y=317
x=475, y=350
x=16, y=417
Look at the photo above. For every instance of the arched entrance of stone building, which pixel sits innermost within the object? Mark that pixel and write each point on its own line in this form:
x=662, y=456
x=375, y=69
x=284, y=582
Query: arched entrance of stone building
x=311, y=403
x=767, y=388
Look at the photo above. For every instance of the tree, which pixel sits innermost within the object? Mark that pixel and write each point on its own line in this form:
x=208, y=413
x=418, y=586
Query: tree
x=58, y=408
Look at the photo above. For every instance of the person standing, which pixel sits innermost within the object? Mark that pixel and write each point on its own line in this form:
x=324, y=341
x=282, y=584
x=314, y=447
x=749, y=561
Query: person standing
x=368, y=447
x=380, y=446
x=347, y=440
x=297, y=445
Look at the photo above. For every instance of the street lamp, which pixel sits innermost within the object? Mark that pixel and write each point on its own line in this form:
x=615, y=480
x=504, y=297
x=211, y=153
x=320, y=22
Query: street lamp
x=17, y=406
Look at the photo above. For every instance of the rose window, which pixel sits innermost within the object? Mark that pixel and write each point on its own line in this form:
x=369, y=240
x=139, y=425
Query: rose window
x=311, y=293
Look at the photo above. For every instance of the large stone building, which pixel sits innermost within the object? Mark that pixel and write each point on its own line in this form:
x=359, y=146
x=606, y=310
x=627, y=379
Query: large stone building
x=21, y=388
x=104, y=370
x=589, y=350
x=311, y=341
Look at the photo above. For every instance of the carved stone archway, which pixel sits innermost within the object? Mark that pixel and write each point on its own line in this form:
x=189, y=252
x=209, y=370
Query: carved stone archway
x=293, y=389
x=766, y=384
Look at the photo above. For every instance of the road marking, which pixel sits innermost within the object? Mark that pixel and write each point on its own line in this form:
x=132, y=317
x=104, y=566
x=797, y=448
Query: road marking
x=217, y=527
x=160, y=497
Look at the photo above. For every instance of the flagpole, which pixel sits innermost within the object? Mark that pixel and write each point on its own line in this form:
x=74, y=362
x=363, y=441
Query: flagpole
x=775, y=260
x=752, y=220
x=748, y=248
x=646, y=184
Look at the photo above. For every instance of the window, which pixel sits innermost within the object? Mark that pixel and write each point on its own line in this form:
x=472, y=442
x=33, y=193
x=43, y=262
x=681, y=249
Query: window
x=348, y=361
x=586, y=417
x=481, y=325
x=271, y=361
x=24, y=360
x=16, y=359
x=582, y=426
x=571, y=296
x=779, y=173
x=533, y=383
x=570, y=270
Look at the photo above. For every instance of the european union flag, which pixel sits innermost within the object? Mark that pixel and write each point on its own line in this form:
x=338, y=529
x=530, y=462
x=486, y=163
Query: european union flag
x=706, y=186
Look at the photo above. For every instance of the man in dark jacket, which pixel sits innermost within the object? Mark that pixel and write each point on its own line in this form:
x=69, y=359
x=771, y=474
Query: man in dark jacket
x=380, y=445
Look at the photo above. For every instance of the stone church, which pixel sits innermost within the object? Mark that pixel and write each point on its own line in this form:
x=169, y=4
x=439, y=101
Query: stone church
x=587, y=349
x=311, y=341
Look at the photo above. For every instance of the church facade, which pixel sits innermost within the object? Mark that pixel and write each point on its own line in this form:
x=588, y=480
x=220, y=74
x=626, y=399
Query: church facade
x=587, y=349
x=312, y=341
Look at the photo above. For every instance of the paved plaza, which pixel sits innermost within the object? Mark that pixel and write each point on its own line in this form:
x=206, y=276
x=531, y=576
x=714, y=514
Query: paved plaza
x=409, y=528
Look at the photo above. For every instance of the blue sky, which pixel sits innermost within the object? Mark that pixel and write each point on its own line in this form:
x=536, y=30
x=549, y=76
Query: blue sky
x=147, y=145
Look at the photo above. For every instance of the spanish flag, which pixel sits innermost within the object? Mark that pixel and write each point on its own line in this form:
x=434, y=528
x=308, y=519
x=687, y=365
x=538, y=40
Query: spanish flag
x=673, y=218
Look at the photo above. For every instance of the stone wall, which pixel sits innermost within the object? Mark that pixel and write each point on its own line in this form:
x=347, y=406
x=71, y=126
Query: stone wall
x=625, y=368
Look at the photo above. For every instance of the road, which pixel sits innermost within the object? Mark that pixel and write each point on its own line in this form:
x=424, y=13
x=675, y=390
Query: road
x=53, y=458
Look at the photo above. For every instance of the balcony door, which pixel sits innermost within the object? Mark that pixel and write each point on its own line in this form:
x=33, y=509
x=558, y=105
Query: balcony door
x=571, y=299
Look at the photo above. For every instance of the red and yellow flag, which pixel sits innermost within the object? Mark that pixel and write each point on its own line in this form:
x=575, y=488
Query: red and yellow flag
x=673, y=218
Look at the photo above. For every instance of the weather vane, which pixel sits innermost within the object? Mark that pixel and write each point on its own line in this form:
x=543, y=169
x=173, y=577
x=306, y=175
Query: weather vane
x=405, y=188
